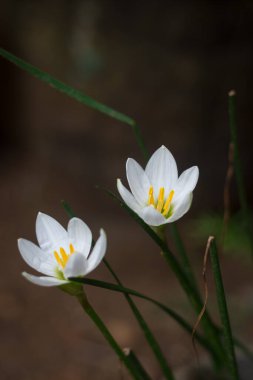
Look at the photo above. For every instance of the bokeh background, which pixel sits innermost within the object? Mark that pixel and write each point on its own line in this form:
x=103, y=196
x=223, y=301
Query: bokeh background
x=167, y=64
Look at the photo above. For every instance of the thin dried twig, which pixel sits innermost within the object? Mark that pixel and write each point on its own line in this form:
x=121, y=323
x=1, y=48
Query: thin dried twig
x=205, y=297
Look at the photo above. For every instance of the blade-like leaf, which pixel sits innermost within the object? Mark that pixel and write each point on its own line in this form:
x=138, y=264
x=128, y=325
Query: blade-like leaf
x=117, y=288
x=76, y=94
x=223, y=310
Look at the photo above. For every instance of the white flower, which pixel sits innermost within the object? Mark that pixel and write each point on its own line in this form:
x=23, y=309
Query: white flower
x=61, y=254
x=158, y=195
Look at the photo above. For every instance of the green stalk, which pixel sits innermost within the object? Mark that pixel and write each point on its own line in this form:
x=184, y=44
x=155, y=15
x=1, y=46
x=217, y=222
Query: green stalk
x=234, y=139
x=238, y=166
x=133, y=370
x=224, y=316
x=181, y=321
x=136, y=363
x=145, y=328
x=192, y=294
x=117, y=288
x=183, y=254
x=77, y=95
x=151, y=340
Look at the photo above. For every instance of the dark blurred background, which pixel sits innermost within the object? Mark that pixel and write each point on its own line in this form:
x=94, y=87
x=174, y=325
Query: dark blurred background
x=167, y=64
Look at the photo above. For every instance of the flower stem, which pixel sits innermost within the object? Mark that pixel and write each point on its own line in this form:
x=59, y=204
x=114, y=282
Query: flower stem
x=181, y=321
x=238, y=166
x=136, y=363
x=119, y=288
x=146, y=330
x=196, y=301
x=183, y=254
x=129, y=364
x=222, y=304
x=193, y=296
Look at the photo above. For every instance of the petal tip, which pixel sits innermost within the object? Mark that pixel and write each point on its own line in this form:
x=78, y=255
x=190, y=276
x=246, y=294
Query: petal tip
x=102, y=232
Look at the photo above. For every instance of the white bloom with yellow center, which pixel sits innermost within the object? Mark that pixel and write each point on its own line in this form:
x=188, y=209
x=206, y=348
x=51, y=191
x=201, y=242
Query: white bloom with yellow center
x=157, y=194
x=61, y=254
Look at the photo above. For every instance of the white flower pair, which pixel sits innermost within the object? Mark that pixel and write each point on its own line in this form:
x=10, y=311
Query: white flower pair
x=158, y=196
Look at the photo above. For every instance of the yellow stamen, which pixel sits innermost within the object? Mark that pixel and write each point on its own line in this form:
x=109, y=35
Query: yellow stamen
x=63, y=257
x=168, y=202
x=58, y=259
x=160, y=201
x=151, y=200
x=71, y=248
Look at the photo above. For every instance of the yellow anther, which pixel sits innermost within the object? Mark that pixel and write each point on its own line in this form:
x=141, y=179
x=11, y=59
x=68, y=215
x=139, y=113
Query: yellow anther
x=64, y=256
x=168, y=202
x=58, y=259
x=160, y=201
x=151, y=200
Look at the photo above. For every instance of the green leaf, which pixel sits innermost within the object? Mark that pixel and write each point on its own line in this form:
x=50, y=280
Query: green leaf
x=118, y=288
x=222, y=305
x=76, y=94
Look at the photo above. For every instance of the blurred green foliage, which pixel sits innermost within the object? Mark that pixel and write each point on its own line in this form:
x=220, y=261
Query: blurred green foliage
x=233, y=237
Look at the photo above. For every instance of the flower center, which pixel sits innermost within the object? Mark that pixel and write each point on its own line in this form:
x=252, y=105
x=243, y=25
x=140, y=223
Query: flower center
x=63, y=257
x=161, y=204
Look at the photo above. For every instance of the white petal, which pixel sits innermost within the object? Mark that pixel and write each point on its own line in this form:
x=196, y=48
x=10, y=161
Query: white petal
x=127, y=197
x=161, y=170
x=43, y=280
x=98, y=252
x=181, y=207
x=50, y=233
x=81, y=236
x=36, y=258
x=152, y=217
x=76, y=266
x=138, y=181
x=187, y=181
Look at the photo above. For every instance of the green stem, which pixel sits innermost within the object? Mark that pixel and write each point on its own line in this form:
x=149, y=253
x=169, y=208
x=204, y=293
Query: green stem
x=118, y=288
x=146, y=330
x=193, y=296
x=103, y=329
x=183, y=254
x=181, y=321
x=196, y=301
x=238, y=166
x=136, y=363
x=234, y=139
x=137, y=132
x=222, y=305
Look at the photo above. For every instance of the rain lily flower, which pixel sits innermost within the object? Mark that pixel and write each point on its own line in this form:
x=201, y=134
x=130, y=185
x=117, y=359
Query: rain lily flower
x=157, y=194
x=61, y=254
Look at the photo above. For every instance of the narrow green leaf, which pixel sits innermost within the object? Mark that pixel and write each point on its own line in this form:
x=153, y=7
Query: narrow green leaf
x=224, y=316
x=190, y=291
x=118, y=288
x=68, y=90
x=181, y=321
x=129, y=364
x=144, y=326
x=183, y=254
x=76, y=94
x=136, y=363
